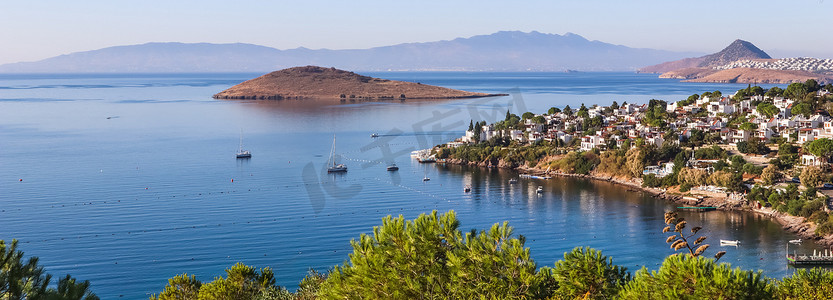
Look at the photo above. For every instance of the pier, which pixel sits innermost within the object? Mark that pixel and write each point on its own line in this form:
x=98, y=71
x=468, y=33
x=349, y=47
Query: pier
x=698, y=208
x=818, y=258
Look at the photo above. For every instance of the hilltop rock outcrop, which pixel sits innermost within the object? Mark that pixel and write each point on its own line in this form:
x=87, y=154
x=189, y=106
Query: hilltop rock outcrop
x=737, y=50
x=742, y=62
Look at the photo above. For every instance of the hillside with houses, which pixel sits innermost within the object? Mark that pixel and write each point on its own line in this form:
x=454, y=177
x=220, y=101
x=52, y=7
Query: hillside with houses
x=765, y=150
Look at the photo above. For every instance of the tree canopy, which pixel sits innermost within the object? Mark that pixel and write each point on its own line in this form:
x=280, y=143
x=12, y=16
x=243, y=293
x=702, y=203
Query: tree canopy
x=21, y=279
x=803, y=109
x=767, y=109
x=822, y=147
x=430, y=257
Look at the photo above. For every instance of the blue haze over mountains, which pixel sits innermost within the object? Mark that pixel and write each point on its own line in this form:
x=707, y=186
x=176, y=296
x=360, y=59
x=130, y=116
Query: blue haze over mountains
x=501, y=51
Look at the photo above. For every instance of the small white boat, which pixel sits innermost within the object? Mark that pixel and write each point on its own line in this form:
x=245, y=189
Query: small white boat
x=392, y=167
x=374, y=135
x=530, y=176
x=467, y=189
x=420, y=153
x=798, y=241
x=729, y=243
x=332, y=167
x=243, y=153
x=426, y=178
x=513, y=181
x=427, y=159
x=540, y=190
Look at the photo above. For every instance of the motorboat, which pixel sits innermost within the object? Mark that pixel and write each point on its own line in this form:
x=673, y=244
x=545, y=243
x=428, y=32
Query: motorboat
x=392, y=167
x=374, y=135
x=729, y=243
x=467, y=189
x=332, y=167
x=798, y=241
x=513, y=181
x=426, y=178
x=540, y=190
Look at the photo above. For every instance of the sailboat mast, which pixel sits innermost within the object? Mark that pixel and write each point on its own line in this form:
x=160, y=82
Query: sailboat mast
x=241, y=140
x=333, y=152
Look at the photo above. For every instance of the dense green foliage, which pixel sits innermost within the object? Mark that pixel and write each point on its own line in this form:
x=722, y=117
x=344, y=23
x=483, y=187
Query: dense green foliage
x=241, y=283
x=430, y=257
x=586, y=273
x=576, y=162
x=822, y=147
x=655, y=115
x=767, y=109
x=789, y=200
x=21, y=279
x=806, y=284
x=499, y=149
x=684, y=277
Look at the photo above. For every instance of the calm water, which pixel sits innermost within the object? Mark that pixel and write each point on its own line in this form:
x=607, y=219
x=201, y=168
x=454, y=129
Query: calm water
x=128, y=180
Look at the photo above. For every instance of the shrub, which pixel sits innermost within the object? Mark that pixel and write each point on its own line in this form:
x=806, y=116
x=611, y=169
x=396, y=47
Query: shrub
x=429, y=257
x=683, y=277
x=685, y=187
x=651, y=180
x=804, y=284
x=587, y=274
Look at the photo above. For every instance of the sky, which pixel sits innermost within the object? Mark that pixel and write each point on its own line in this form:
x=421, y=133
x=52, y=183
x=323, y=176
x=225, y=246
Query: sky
x=38, y=29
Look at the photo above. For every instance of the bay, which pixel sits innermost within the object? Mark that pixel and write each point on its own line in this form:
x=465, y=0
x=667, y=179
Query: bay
x=129, y=179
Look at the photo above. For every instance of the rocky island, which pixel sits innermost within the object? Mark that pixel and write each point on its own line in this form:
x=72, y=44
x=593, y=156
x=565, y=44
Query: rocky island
x=743, y=62
x=312, y=82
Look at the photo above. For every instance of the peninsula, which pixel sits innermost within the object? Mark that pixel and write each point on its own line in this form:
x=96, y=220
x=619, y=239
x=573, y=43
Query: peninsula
x=312, y=82
x=743, y=62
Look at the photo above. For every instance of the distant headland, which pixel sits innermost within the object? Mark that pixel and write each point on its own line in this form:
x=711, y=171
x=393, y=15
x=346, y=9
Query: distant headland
x=743, y=62
x=313, y=82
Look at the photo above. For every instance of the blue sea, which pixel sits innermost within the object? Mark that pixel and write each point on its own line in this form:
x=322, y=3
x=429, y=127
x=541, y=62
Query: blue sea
x=127, y=180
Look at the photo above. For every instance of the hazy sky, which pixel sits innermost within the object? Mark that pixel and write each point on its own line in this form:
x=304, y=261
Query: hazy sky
x=37, y=29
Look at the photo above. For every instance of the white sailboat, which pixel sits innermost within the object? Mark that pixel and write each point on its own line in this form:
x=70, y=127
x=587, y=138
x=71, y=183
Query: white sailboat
x=243, y=153
x=332, y=167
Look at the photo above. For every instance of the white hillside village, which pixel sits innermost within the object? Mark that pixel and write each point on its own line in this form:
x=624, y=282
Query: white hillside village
x=744, y=123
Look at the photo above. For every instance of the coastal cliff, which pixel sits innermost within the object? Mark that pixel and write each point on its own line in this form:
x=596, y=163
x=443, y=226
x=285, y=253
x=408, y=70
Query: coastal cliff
x=312, y=82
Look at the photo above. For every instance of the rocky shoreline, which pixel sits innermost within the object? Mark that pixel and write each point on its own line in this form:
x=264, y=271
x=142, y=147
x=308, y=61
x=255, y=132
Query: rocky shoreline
x=796, y=225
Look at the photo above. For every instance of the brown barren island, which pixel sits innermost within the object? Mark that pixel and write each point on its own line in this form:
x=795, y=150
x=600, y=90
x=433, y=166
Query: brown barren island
x=313, y=82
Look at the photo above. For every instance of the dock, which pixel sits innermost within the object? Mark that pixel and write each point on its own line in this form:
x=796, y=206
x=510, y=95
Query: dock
x=817, y=259
x=698, y=208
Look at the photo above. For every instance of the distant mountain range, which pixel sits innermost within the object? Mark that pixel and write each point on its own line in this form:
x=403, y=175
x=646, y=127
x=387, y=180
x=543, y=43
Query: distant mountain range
x=501, y=51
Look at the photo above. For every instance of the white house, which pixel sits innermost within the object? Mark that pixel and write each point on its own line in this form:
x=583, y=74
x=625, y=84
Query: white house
x=811, y=160
x=764, y=133
x=589, y=142
x=806, y=135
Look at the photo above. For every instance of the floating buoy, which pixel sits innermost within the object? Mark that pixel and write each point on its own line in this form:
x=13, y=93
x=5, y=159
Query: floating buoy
x=232, y=180
x=21, y=179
